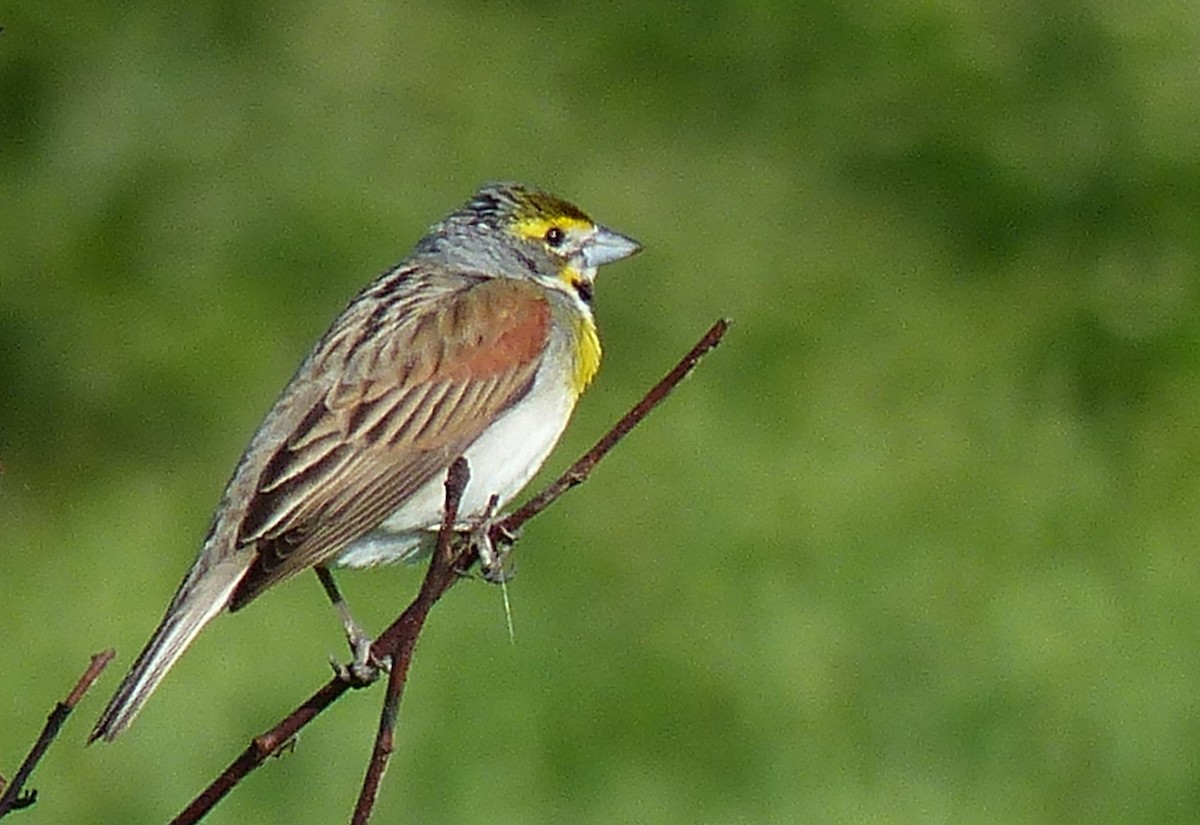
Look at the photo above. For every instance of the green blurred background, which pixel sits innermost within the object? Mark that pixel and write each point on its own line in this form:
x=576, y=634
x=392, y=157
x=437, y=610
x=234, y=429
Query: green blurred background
x=915, y=545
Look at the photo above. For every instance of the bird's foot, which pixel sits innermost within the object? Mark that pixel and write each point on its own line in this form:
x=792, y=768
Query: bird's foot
x=364, y=667
x=493, y=545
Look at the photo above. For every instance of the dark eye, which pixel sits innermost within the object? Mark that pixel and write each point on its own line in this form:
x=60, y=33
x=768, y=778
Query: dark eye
x=555, y=237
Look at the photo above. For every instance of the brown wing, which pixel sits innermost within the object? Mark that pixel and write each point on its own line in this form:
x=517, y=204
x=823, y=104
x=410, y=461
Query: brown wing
x=405, y=404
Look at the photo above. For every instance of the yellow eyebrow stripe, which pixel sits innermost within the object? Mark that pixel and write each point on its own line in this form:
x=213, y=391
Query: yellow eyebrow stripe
x=536, y=228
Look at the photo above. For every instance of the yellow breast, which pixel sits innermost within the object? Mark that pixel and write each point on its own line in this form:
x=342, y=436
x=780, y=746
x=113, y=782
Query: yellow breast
x=587, y=354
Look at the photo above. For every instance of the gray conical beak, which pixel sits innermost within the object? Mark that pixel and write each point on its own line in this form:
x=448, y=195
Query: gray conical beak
x=607, y=246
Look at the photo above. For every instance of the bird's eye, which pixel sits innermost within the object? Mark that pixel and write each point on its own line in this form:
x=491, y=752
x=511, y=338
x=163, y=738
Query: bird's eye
x=555, y=237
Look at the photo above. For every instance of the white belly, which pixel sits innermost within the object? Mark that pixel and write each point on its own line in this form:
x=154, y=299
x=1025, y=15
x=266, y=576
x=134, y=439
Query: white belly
x=502, y=461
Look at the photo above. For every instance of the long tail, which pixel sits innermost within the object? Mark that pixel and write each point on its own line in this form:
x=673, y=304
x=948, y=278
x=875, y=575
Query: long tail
x=201, y=596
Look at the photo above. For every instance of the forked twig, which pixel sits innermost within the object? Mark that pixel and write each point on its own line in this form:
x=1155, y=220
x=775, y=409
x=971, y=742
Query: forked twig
x=451, y=557
x=12, y=799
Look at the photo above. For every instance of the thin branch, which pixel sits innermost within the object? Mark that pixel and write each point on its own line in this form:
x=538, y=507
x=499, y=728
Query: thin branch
x=260, y=748
x=443, y=570
x=400, y=637
x=12, y=799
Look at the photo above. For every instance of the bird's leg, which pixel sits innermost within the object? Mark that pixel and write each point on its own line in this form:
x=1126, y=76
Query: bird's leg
x=364, y=668
x=494, y=561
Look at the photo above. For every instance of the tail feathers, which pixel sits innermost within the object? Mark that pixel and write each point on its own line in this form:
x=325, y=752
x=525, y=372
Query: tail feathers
x=192, y=608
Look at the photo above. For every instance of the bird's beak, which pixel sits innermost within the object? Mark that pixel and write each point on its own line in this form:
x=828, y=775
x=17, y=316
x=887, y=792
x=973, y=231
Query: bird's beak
x=607, y=246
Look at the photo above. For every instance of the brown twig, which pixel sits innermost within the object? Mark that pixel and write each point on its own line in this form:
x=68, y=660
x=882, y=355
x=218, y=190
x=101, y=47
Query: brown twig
x=12, y=799
x=400, y=637
x=443, y=571
x=260, y=748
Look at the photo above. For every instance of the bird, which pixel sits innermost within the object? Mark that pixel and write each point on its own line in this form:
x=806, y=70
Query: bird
x=478, y=344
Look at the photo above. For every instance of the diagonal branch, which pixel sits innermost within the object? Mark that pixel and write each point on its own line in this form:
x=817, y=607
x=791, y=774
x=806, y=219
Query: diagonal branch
x=12, y=799
x=452, y=557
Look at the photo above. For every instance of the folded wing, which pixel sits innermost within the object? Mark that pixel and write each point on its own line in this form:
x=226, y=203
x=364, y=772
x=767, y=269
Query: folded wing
x=418, y=383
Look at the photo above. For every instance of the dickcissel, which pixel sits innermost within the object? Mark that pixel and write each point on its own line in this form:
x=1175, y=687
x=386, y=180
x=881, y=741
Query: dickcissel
x=478, y=344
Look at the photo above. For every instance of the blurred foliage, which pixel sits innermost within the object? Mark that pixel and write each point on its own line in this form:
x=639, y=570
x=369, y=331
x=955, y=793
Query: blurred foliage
x=913, y=546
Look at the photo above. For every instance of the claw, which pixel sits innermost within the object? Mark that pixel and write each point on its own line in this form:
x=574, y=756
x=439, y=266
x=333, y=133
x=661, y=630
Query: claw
x=365, y=668
x=494, y=561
